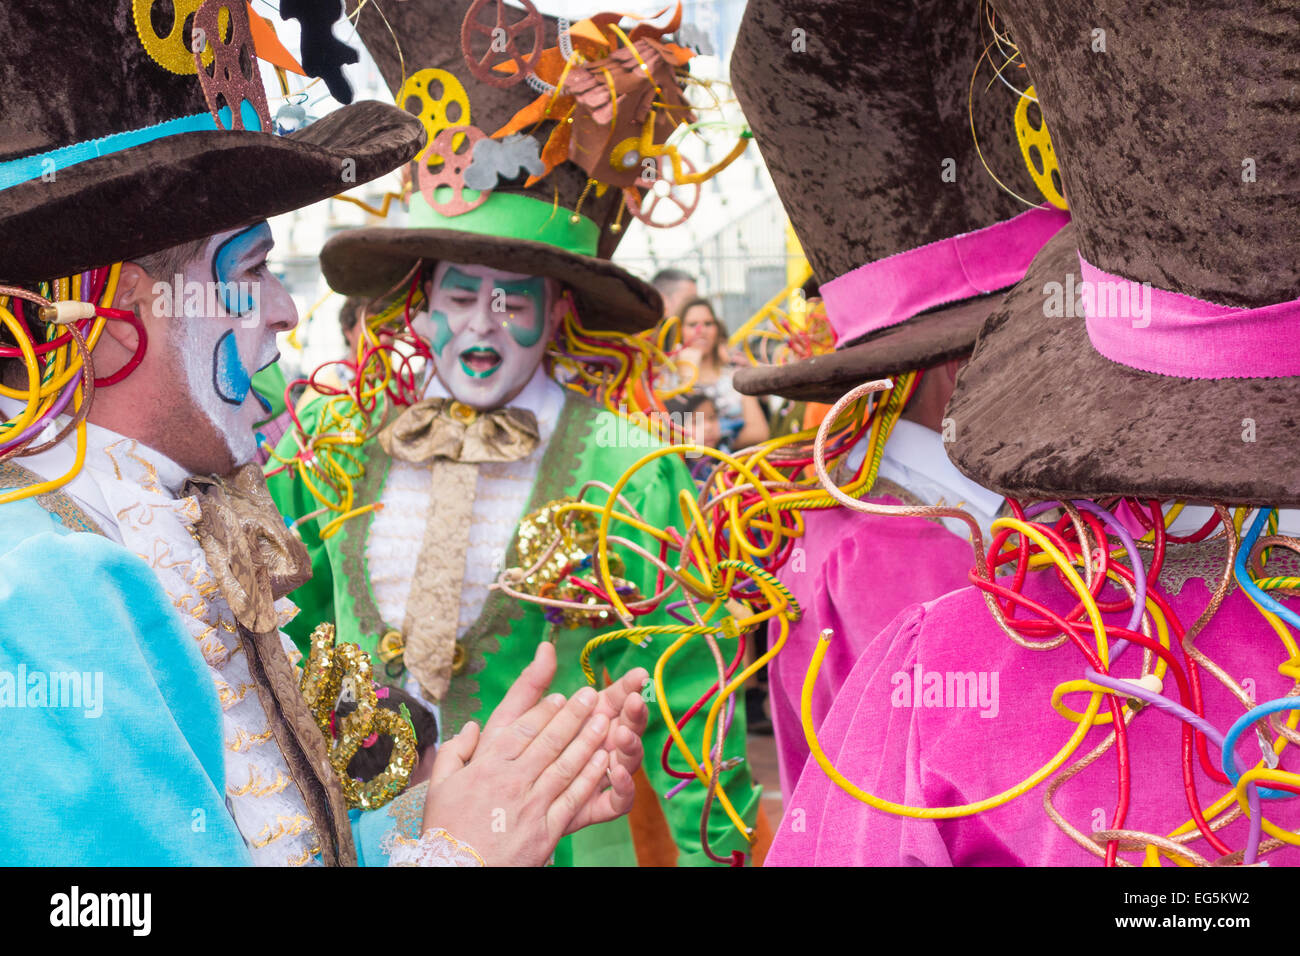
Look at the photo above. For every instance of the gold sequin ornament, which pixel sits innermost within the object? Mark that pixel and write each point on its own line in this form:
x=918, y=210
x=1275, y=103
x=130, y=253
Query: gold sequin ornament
x=573, y=556
x=342, y=673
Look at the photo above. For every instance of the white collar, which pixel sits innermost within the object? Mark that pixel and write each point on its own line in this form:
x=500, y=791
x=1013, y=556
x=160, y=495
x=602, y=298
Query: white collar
x=917, y=449
x=109, y=457
x=921, y=449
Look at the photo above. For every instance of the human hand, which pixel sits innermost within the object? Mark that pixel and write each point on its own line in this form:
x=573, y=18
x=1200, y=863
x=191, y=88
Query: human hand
x=622, y=703
x=514, y=789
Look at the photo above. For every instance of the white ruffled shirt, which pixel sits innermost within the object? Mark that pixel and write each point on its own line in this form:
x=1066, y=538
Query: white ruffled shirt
x=501, y=495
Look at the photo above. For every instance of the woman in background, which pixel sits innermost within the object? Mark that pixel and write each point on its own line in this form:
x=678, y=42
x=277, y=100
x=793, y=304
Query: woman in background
x=744, y=422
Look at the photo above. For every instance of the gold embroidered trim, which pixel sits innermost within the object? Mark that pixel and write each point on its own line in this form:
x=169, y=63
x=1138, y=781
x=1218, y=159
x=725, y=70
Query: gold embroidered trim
x=245, y=740
x=57, y=503
x=285, y=826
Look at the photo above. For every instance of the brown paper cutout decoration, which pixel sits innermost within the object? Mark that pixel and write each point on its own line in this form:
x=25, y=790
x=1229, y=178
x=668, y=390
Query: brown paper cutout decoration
x=456, y=152
x=499, y=37
x=232, y=76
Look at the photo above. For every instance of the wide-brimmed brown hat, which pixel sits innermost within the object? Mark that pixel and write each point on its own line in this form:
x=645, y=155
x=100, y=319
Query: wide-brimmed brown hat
x=557, y=219
x=864, y=115
x=1178, y=152
x=110, y=149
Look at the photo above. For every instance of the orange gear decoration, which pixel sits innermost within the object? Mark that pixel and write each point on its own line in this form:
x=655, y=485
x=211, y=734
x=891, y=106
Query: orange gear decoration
x=502, y=37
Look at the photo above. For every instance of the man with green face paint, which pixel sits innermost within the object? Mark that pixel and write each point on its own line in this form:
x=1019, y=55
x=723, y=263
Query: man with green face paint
x=411, y=580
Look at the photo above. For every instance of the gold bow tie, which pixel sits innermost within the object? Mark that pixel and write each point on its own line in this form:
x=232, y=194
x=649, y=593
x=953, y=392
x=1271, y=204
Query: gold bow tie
x=448, y=429
x=253, y=556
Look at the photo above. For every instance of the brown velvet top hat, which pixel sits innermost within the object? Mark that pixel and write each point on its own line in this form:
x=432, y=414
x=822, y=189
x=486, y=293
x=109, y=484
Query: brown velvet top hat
x=113, y=142
x=537, y=148
x=864, y=114
x=1154, y=347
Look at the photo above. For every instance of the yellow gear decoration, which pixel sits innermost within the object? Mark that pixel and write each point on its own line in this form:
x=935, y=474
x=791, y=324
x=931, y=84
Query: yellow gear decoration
x=433, y=112
x=170, y=52
x=1031, y=136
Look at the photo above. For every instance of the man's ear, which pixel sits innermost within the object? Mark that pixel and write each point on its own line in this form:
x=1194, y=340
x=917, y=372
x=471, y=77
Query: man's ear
x=135, y=293
x=952, y=367
x=561, y=302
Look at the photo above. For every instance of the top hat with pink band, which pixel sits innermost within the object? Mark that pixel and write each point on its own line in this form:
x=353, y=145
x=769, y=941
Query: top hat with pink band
x=884, y=127
x=1153, y=349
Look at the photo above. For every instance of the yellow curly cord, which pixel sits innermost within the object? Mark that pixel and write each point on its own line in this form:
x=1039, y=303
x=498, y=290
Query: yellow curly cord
x=947, y=813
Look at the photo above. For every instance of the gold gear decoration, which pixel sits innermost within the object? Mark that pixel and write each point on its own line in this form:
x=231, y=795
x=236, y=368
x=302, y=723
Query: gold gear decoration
x=344, y=671
x=433, y=112
x=170, y=52
x=1030, y=137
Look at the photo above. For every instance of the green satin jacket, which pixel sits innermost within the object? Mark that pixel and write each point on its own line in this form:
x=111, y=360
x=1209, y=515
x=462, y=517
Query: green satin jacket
x=588, y=443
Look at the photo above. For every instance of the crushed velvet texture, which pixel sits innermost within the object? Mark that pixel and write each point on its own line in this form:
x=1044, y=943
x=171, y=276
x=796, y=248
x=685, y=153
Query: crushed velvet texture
x=429, y=33
x=1152, y=133
x=1040, y=414
x=160, y=194
x=372, y=261
x=74, y=71
x=920, y=342
x=855, y=131
x=1150, y=136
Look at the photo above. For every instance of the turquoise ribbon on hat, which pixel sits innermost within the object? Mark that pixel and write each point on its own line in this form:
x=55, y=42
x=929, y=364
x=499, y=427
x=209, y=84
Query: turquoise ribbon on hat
x=28, y=168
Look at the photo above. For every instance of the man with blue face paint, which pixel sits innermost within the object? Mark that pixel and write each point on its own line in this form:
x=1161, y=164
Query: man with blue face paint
x=412, y=579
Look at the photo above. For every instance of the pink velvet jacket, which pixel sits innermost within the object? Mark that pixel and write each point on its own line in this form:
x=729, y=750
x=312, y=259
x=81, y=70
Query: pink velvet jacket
x=940, y=747
x=855, y=573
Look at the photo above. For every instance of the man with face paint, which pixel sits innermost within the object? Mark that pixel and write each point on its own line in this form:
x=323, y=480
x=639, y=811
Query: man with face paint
x=412, y=579
x=143, y=565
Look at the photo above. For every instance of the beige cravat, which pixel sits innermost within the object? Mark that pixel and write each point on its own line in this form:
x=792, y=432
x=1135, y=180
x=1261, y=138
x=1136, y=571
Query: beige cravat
x=455, y=439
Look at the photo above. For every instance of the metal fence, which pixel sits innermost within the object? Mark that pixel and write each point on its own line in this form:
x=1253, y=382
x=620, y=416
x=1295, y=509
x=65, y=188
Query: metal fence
x=740, y=267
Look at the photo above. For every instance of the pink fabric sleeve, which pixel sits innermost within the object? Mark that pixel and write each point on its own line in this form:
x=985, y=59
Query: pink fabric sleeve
x=846, y=575
x=824, y=826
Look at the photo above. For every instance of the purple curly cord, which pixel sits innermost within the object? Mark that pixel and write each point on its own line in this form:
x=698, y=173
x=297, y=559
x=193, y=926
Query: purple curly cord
x=1139, y=569
x=1174, y=709
x=35, y=427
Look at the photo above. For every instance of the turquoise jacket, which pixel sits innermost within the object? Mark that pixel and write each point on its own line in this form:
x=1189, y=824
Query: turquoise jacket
x=112, y=748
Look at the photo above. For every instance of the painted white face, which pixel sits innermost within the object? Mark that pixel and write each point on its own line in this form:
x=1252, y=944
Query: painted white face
x=224, y=324
x=488, y=330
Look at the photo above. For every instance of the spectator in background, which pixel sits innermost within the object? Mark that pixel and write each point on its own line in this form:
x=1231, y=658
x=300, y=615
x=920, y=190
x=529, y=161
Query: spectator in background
x=700, y=422
x=743, y=420
x=677, y=288
x=340, y=373
x=350, y=323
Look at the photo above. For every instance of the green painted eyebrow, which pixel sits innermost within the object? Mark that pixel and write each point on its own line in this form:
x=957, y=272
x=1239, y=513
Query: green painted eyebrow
x=453, y=278
x=531, y=286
